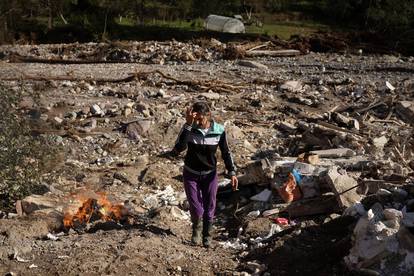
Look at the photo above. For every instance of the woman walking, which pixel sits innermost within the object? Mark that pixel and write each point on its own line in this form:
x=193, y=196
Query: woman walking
x=201, y=136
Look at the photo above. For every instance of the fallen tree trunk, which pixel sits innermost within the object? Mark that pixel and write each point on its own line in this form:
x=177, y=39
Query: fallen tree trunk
x=269, y=53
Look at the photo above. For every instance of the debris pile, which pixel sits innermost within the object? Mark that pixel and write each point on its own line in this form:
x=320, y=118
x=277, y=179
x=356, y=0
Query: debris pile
x=323, y=144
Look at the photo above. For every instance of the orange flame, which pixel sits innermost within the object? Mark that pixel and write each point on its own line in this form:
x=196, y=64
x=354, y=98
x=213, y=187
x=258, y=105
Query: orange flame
x=93, y=205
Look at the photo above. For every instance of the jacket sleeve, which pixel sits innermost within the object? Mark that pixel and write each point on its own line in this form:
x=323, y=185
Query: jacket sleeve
x=226, y=155
x=181, y=143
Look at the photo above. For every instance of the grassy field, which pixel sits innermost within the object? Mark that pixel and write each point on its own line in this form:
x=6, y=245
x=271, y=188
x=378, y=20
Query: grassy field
x=283, y=30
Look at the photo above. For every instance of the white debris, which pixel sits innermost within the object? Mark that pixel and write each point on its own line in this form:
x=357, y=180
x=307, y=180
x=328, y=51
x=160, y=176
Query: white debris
x=180, y=214
x=253, y=214
x=33, y=266
x=235, y=244
x=96, y=109
x=374, y=237
x=292, y=86
x=389, y=86
x=52, y=237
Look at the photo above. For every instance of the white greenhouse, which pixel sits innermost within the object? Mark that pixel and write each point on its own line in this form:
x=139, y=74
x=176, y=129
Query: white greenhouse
x=223, y=24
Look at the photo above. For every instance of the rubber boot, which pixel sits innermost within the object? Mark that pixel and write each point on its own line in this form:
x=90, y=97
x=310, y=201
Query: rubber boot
x=197, y=228
x=207, y=229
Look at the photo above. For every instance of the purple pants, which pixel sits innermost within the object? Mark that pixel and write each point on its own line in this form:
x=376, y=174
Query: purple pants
x=201, y=191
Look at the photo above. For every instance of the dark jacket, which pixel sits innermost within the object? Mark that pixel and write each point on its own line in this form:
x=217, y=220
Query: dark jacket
x=201, y=150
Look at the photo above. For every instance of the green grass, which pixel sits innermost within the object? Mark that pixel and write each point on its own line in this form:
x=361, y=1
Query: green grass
x=285, y=30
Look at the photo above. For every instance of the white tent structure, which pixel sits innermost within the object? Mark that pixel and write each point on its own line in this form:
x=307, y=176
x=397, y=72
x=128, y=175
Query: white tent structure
x=223, y=24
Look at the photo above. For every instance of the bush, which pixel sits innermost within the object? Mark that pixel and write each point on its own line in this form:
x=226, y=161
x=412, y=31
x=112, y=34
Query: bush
x=24, y=157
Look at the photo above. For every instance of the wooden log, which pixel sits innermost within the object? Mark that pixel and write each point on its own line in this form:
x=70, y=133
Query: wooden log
x=277, y=53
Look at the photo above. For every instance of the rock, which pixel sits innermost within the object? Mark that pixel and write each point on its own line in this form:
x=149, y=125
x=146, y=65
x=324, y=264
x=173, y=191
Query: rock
x=389, y=86
x=406, y=239
x=252, y=64
x=334, y=153
x=58, y=120
x=406, y=110
x=96, y=110
x=292, y=86
x=340, y=183
x=71, y=115
x=210, y=95
x=33, y=203
x=161, y=93
x=234, y=134
x=127, y=111
x=258, y=227
x=215, y=43
x=137, y=129
x=380, y=142
x=264, y=196
x=92, y=124
x=123, y=177
x=288, y=127
x=248, y=146
x=345, y=121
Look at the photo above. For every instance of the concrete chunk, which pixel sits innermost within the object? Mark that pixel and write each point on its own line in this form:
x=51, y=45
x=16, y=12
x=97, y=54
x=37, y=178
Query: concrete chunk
x=341, y=184
x=292, y=86
x=33, y=203
x=334, y=153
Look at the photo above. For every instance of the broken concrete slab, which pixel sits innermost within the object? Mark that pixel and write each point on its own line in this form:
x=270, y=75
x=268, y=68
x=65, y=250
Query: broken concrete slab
x=334, y=153
x=406, y=110
x=33, y=203
x=264, y=196
x=342, y=186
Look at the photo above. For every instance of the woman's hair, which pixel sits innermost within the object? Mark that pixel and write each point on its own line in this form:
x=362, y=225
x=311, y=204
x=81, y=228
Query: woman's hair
x=201, y=108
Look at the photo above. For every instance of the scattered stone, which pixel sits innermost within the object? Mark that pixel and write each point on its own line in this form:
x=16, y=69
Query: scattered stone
x=288, y=127
x=380, y=142
x=210, y=95
x=389, y=86
x=96, y=110
x=292, y=86
x=58, y=120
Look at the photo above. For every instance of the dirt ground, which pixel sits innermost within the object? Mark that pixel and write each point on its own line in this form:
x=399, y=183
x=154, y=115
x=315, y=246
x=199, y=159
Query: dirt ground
x=158, y=243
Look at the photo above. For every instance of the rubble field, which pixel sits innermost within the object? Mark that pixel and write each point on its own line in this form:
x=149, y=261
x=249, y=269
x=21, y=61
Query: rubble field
x=324, y=145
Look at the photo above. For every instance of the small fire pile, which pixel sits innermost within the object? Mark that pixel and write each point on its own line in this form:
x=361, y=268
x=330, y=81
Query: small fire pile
x=93, y=207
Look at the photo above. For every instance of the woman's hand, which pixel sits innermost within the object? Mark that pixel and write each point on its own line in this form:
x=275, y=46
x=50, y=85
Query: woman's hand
x=234, y=183
x=190, y=116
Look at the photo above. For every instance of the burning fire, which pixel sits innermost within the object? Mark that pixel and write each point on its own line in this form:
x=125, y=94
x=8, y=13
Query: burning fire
x=93, y=206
